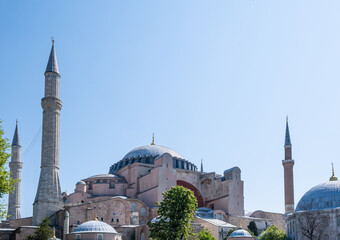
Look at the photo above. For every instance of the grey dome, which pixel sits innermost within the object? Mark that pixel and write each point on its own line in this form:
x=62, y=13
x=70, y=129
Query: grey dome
x=103, y=176
x=322, y=196
x=151, y=150
x=81, y=183
x=94, y=226
x=240, y=233
x=148, y=154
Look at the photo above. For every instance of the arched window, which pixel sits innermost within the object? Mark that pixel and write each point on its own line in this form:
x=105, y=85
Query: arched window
x=78, y=237
x=142, y=236
x=99, y=236
x=142, y=211
x=133, y=207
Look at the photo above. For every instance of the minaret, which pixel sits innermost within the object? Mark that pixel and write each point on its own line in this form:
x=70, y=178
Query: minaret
x=48, y=198
x=202, y=165
x=15, y=166
x=288, y=164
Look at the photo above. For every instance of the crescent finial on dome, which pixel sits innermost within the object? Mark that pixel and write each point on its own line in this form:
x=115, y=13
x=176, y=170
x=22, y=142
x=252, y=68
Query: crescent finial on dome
x=153, y=139
x=333, y=177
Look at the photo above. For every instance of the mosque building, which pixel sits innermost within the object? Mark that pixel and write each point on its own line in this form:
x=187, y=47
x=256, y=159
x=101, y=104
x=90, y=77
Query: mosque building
x=123, y=200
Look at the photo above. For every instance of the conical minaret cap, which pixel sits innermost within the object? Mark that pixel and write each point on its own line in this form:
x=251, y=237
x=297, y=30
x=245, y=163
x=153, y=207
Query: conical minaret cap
x=52, y=65
x=287, y=138
x=16, y=138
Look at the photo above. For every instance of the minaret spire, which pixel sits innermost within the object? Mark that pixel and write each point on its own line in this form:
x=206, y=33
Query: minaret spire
x=48, y=198
x=15, y=166
x=52, y=65
x=201, y=164
x=288, y=164
x=287, y=138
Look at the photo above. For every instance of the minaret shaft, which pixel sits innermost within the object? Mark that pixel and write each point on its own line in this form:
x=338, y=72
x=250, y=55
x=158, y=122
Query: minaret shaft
x=15, y=166
x=288, y=164
x=48, y=198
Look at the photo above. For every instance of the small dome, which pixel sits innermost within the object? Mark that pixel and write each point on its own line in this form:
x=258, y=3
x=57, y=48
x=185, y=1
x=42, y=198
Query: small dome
x=103, y=176
x=81, y=183
x=322, y=196
x=94, y=226
x=151, y=150
x=240, y=233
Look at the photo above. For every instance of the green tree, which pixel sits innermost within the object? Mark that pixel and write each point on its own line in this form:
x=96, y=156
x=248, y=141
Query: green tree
x=273, y=233
x=253, y=228
x=44, y=231
x=176, y=211
x=205, y=235
x=6, y=183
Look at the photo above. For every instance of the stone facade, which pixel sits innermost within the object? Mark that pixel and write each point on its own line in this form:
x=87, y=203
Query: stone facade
x=48, y=197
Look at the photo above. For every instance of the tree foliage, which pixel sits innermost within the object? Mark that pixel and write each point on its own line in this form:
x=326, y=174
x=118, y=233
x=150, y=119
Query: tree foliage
x=6, y=183
x=205, y=235
x=273, y=233
x=176, y=211
x=44, y=231
x=253, y=228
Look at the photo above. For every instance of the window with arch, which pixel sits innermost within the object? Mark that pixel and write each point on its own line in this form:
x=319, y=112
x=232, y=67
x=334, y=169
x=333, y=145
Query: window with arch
x=99, y=236
x=142, y=236
x=133, y=207
x=142, y=211
x=78, y=237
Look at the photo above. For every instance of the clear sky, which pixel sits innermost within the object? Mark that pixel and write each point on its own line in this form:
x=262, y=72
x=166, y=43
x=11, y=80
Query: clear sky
x=212, y=79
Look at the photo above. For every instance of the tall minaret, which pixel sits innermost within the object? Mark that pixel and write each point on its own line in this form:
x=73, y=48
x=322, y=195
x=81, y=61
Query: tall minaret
x=288, y=164
x=48, y=199
x=15, y=166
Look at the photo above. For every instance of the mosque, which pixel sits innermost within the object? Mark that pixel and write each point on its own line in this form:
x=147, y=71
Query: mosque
x=122, y=201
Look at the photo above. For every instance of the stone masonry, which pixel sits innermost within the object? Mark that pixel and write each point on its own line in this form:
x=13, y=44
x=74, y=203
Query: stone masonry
x=48, y=198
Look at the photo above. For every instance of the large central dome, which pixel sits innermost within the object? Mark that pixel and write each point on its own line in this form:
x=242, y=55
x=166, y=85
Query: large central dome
x=151, y=151
x=322, y=196
x=147, y=155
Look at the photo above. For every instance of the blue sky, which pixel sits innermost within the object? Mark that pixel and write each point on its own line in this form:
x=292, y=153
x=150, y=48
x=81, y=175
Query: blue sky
x=212, y=79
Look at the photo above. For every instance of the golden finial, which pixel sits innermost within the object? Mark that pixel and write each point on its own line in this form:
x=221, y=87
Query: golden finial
x=333, y=177
x=53, y=40
x=54, y=237
x=95, y=217
x=153, y=139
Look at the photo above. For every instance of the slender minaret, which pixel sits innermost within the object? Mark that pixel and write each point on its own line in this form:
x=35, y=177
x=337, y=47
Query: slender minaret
x=201, y=164
x=48, y=199
x=15, y=166
x=288, y=164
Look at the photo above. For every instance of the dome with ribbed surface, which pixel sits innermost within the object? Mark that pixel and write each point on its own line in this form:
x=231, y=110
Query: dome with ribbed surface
x=152, y=151
x=240, y=233
x=94, y=227
x=322, y=196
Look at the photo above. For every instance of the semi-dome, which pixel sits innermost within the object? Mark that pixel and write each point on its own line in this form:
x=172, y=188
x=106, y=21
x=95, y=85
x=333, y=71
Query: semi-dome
x=94, y=226
x=240, y=233
x=322, y=196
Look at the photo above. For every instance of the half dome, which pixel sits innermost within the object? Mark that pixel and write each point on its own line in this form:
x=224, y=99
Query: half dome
x=322, y=196
x=94, y=226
